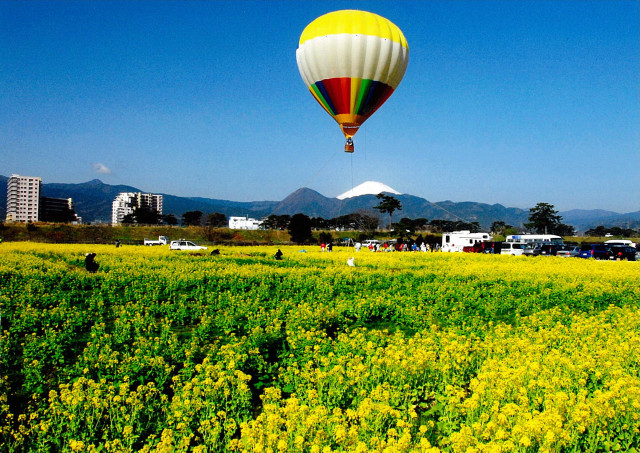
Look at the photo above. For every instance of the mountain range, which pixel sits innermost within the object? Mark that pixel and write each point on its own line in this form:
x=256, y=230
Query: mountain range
x=93, y=200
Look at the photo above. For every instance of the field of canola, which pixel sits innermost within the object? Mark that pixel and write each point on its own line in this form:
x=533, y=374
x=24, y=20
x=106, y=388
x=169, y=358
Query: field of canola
x=165, y=351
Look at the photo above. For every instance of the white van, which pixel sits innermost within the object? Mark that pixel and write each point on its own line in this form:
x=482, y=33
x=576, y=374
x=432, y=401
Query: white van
x=512, y=248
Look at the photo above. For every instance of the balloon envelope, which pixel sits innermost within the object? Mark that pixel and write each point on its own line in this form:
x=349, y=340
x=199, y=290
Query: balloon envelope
x=352, y=61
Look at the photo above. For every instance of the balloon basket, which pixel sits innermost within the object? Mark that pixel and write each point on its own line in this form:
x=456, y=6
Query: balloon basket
x=348, y=146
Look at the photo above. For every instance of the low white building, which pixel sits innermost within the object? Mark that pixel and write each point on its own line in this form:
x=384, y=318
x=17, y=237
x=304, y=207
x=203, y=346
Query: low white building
x=244, y=223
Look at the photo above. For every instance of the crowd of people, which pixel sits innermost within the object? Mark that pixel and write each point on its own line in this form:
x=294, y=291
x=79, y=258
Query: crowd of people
x=396, y=246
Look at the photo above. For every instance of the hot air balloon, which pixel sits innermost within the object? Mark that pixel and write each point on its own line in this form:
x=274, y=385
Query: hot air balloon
x=352, y=61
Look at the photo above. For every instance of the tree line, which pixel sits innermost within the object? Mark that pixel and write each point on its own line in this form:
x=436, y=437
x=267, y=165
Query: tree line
x=149, y=216
x=543, y=219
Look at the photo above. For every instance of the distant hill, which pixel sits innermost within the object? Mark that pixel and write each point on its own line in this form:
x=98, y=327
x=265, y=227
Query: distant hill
x=93, y=203
x=92, y=198
x=585, y=219
x=309, y=202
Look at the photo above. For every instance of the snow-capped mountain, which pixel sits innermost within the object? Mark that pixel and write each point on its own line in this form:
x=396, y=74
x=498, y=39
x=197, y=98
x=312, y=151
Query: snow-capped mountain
x=368, y=188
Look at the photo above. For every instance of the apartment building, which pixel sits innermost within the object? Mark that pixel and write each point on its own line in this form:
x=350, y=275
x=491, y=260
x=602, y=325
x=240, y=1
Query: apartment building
x=127, y=202
x=23, y=198
x=58, y=210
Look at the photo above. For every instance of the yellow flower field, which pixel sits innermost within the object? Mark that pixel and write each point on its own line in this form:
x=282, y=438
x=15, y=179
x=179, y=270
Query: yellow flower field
x=166, y=351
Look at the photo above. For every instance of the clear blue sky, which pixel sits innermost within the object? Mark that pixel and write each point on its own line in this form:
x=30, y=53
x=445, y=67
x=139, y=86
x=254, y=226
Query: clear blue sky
x=507, y=102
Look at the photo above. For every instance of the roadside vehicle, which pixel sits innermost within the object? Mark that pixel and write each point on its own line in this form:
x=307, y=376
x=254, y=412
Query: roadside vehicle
x=541, y=249
x=569, y=251
x=483, y=247
x=622, y=252
x=626, y=242
x=162, y=240
x=456, y=241
x=185, y=245
x=492, y=247
x=597, y=251
x=534, y=238
x=549, y=249
x=530, y=250
x=512, y=248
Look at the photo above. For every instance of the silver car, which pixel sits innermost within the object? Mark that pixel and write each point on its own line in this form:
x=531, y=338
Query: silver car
x=569, y=251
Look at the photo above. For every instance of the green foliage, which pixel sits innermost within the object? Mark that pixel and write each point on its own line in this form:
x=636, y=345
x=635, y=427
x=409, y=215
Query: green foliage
x=276, y=222
x=601, y=231
x=167, y=351
x=388, y=204
x=217, y=220
x=135, y=234
x=544, y=219
x=454, y=225
x=325, y=237
x=170, y=219
x=300, y=229
x=192, y=218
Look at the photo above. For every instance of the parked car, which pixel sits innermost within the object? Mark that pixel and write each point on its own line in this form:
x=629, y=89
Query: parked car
x=185, y=245
x=622, y=252
x=550, y=249
x=531, y=250
x=597, y=251
x=541, y=249
x=482, y=247
x=569, y=251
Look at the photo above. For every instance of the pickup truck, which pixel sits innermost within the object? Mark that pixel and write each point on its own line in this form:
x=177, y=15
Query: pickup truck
x=162, y=240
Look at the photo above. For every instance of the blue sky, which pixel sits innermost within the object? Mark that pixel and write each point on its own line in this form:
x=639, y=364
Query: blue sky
x=508, y=102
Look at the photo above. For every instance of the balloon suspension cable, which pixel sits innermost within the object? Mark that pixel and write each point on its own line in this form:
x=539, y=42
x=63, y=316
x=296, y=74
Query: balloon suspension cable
x=352, y=188
x=352, y=175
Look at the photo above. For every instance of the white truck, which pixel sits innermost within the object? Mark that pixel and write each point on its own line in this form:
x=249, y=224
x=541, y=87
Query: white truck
x=162, y=240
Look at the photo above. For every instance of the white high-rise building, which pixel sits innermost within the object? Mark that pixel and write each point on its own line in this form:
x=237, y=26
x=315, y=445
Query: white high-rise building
x=23, y=198
x=127, y=202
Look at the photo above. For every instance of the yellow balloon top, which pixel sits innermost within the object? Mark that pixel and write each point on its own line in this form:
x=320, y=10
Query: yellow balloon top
x=353, y=22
